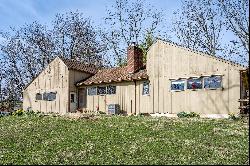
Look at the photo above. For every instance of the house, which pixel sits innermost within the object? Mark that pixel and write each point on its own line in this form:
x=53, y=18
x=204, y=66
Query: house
x=174, y=79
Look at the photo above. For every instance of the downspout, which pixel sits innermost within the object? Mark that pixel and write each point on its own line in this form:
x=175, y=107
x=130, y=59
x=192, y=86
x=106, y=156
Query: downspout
x=68, y=91
x=241, y=88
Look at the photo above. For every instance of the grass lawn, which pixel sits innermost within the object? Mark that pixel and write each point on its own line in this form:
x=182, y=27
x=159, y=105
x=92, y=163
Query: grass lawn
x=31, y=139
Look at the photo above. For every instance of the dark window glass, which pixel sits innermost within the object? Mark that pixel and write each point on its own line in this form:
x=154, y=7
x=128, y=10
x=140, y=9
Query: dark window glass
x=145, y=90
x=72, y=98
x=45, y=96
x=51, y=96
x=92, y=91
x=111, y=89
x=39, y=96
x=177, y=85
x=194, y=83
x=101, y=90
x=212, y=82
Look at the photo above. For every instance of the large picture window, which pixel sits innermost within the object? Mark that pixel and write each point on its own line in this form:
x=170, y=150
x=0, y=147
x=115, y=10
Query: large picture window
x=92, y=91
x=145, y=90
x=111, y=89
x=177, y=85
x=101, y=90
x=194, y=83
x=212, y=82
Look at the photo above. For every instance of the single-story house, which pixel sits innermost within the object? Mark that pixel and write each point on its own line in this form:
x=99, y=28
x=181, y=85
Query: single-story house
x=174, y=79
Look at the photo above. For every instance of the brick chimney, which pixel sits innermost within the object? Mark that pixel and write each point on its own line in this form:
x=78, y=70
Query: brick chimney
x=134, y=58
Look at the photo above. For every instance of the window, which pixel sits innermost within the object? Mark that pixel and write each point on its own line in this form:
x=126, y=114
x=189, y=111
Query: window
x=45, y=96
x=51, y=96
x=72, y=98
x=101, y=90
x=92, y=91
x=212, y=82
x=39, y=96
x=145, y=89
x=177, y=85
x=111, y=89
x=194, y=83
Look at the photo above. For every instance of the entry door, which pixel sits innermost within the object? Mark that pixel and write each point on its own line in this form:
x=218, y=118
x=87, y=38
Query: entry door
x=102, y=103
x=73, y=102
x=82, y=99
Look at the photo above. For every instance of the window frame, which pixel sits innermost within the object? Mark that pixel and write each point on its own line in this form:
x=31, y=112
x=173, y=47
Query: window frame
x=101, y=94
x=45, y=96
x=74, y=98
x=107, y=91
x=92, y=88
x=175, y=80
x=40, y=95
x=49, y=96
x=148, y=83
x=202, y=83
x=213, y=75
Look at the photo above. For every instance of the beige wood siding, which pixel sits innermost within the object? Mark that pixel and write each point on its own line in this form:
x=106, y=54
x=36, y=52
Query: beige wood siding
x=75, y=76
x=125, y=97
x=165, y=61
x=53, y=79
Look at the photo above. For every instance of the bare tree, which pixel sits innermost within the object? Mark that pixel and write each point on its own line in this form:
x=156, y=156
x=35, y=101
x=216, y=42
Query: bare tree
x=2, y=75
x=75, y=38
x=236, y=14
x=199, y=26
x=130, y=22
x=28, y=50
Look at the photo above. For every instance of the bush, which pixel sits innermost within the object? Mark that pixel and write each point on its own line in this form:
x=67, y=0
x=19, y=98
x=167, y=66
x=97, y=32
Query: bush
x=18, y=112
x=188, y=115
x=101, y=112
x=30, y=112
x=193, y=114
x=182, y=114
x=144, y=114
x=233, y=116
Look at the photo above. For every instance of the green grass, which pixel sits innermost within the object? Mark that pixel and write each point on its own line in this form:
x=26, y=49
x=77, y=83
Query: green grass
x=122, y=140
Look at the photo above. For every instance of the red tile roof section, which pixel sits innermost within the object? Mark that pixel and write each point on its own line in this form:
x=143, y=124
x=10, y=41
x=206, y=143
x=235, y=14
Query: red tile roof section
x=117, y=74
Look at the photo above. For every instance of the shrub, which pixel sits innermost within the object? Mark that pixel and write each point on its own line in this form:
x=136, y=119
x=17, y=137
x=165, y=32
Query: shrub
x=101, y=112
x=182, y=114
x=18, y=112
x=143, y=114
x=188, y=115
x=30, y=112
x=193, y=114
x=233, y=116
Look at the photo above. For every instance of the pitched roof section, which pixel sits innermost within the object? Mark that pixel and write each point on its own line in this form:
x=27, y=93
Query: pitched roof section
x=117, y=74
x=76, y=65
